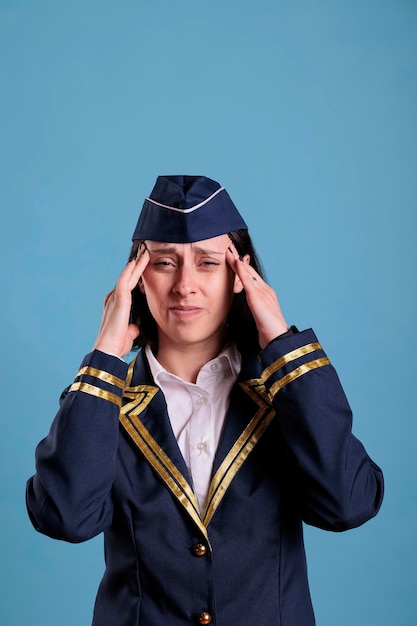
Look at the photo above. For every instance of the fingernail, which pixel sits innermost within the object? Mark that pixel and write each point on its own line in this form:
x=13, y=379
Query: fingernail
x=141, y=250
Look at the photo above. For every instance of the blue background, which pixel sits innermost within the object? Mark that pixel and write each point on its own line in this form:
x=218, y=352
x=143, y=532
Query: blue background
x=306, y=111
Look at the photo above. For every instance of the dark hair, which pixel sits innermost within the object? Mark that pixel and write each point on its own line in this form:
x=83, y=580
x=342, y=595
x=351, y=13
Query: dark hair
x=241, y=326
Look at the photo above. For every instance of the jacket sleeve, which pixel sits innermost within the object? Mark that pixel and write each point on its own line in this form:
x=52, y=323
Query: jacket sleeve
x=335, y=483
x=69, y=497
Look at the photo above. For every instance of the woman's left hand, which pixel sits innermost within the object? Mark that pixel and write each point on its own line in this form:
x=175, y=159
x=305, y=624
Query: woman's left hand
x=261, y=298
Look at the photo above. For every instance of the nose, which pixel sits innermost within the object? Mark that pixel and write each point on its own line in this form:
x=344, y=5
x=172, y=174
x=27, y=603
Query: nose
x=185, y=283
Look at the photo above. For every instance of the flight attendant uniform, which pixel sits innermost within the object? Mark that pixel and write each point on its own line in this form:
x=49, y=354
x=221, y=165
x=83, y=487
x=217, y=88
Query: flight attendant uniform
x=111, y=464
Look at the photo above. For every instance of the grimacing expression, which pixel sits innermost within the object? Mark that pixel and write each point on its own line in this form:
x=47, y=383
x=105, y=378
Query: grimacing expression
x=189, y=289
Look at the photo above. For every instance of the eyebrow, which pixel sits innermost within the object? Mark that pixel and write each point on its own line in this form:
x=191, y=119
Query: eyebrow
x=174, y=250
x=164, y=250
x=206, y=250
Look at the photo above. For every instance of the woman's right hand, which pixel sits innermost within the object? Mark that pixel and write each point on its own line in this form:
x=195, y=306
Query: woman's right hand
x=116, y=335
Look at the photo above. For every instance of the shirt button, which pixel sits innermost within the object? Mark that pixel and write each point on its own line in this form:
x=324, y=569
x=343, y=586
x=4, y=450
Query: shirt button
x=214, y=367
x=199, y=549
x=202, y=400
x=201, y=446
x=203, y=617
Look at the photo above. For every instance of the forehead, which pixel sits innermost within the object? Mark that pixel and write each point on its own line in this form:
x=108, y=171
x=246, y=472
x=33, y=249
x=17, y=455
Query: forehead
x=214, y=245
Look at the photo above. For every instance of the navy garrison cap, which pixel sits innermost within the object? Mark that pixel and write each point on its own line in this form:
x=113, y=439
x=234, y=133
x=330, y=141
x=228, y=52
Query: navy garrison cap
x=184, y=209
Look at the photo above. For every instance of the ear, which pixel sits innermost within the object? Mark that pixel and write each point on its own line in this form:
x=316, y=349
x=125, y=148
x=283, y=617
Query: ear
x=238, y=286
x=141, y=285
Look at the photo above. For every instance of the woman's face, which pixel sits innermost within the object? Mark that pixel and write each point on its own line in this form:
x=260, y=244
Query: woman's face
x=189, y=289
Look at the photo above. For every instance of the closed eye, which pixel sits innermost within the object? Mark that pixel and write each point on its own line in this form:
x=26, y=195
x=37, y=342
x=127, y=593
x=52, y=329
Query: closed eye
x=208, y=263
x=164, y=263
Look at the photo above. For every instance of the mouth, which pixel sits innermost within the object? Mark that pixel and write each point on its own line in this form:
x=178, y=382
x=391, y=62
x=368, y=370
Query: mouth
x=185, y=312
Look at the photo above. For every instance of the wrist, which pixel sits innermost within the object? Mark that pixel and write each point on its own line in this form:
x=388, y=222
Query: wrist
x=108, y=349
x=273, y=333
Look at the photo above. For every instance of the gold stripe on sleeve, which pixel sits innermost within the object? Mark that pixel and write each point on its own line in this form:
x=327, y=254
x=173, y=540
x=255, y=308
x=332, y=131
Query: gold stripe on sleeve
x=102, y=375
x=287, y=358
x=96, y=391
x=299, y=371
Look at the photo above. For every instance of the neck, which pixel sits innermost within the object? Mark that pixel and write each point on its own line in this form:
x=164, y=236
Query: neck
x=185, y=361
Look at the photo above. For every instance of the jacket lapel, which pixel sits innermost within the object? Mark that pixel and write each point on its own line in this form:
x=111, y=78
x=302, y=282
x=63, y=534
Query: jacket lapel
x=154, y=416
x=250, y=413
x=145, y=418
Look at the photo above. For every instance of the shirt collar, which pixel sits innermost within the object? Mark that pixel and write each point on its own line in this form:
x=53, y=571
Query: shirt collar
x=229, y=356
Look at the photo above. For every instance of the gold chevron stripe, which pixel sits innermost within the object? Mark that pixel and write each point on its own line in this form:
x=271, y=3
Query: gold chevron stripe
x=139, y=397
x=96, y=391
x=102, y=375
x=287, y=358
x=299, y=371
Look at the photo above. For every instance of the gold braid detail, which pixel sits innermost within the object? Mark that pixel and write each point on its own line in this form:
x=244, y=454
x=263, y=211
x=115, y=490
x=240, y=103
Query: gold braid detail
x=96, y=391
x=102, y=375
x=299, y=371
x=287, y=358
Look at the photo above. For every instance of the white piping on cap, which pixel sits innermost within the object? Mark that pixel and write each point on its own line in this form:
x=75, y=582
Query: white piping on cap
x=191, y=209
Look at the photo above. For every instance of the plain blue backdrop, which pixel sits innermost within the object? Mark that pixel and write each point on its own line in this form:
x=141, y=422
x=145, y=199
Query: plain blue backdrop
x=306, y=111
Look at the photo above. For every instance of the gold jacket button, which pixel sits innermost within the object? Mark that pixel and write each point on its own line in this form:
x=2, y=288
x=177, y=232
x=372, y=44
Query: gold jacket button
x=203, y=618
x=200, y=549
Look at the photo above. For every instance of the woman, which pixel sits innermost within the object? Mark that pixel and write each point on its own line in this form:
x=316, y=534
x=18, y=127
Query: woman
x=201, y=459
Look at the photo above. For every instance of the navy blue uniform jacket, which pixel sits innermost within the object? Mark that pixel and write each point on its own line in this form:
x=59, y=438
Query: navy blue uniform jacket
x=111, y=464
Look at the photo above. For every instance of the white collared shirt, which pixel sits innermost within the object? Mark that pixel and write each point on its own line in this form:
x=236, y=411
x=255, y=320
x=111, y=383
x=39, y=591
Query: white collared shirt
x=197, y=411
